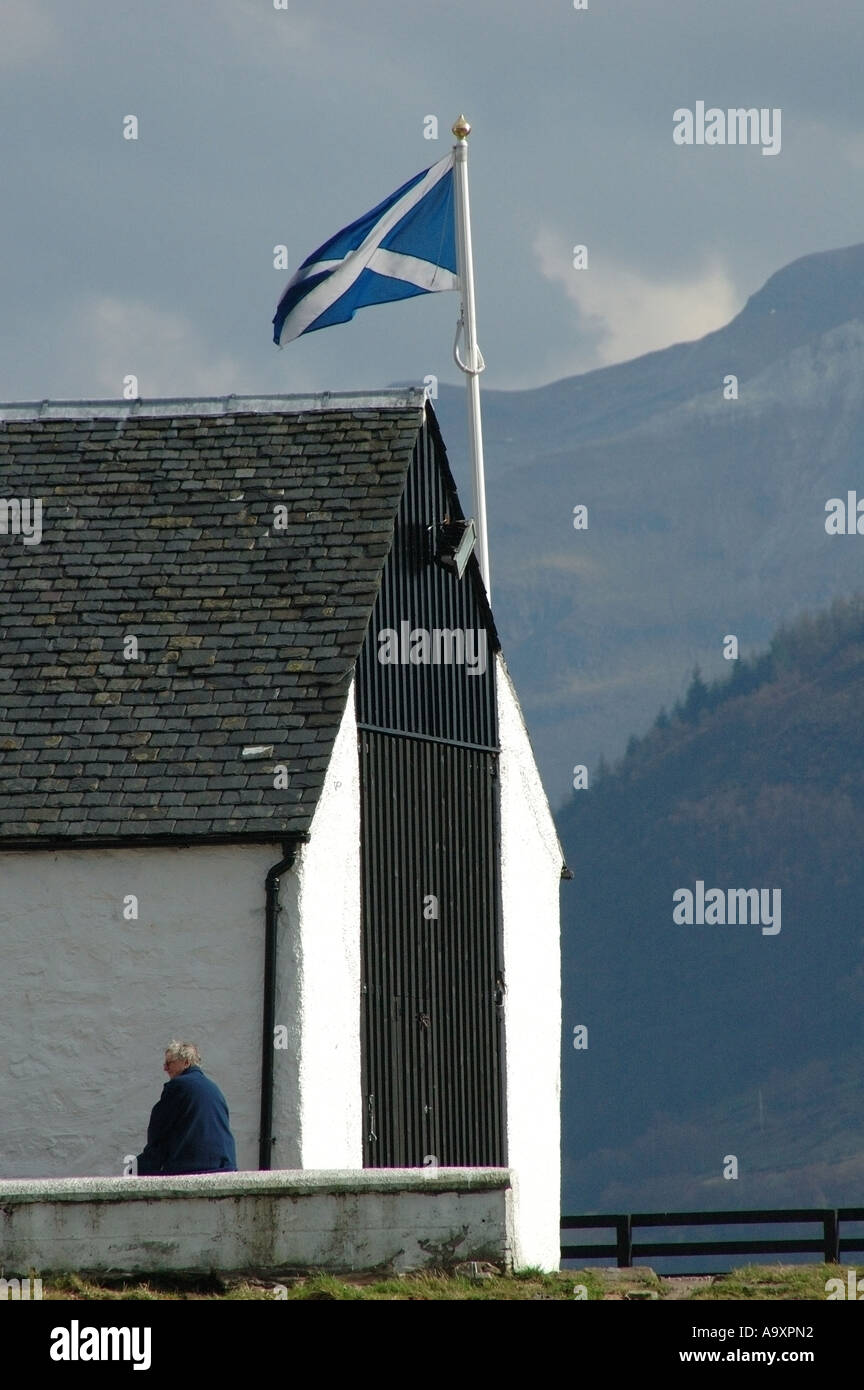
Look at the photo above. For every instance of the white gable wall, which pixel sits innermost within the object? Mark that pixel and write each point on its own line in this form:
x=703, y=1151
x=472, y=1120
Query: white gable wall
x=317, y=1089
x=88, y=1000
x=531, y=862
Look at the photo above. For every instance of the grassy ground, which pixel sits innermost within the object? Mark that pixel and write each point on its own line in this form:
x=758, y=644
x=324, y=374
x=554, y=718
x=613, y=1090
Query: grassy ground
x=762, y=1282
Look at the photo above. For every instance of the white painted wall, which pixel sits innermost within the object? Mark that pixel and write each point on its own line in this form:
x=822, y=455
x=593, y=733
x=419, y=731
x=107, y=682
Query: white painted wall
x=531, y=861
x=258, y=1222
x=317, y=1089
x=88, y=1000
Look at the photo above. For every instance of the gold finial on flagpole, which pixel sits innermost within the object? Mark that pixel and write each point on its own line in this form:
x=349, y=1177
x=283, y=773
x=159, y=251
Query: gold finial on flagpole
x=461, y=129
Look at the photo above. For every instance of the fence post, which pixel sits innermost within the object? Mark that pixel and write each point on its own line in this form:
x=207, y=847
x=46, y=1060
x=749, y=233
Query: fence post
x=625, y=1242
x=832, y=1238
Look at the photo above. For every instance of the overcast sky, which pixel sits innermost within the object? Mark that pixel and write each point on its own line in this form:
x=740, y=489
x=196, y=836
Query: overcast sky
x=260, y=126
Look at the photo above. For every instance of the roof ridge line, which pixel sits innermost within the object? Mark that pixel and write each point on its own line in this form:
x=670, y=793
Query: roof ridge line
x=402, y=398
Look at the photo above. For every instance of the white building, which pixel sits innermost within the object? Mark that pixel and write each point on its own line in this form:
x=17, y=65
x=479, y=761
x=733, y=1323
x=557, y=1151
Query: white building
x=265, y=785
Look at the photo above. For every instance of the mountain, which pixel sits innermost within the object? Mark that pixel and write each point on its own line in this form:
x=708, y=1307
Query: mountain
x=706, y=515
x=797, y=1137
x=706, y=520
x=710, y=1039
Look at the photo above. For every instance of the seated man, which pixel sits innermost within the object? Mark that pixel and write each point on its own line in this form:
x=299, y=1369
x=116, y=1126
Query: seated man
x=188, y=1130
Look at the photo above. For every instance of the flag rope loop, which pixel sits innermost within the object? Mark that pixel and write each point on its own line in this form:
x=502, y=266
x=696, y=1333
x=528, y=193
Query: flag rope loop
x=463, y=366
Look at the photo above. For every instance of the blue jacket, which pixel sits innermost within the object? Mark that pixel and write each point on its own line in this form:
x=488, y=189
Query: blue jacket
x=188, y=1130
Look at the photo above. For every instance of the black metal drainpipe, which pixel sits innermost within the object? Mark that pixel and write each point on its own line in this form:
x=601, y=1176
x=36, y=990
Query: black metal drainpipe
x=266, y=1138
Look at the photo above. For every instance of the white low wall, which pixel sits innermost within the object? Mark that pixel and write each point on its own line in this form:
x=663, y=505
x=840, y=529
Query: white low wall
x=398, y=1218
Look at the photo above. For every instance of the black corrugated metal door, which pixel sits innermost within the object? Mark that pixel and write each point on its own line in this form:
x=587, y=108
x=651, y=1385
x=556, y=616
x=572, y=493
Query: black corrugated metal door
x=430, y=968
x=432, y=985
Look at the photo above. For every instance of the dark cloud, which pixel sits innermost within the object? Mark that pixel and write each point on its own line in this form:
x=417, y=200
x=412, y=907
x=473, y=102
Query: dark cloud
x=260, y=127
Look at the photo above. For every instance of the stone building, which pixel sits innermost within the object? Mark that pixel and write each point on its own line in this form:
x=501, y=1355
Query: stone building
x=265, y=785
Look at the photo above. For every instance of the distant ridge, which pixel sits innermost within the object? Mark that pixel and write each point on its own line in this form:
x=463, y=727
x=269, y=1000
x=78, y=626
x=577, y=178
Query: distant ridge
x=705, y=515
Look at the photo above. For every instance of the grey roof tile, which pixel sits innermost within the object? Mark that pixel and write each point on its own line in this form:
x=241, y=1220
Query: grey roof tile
x=161, y=526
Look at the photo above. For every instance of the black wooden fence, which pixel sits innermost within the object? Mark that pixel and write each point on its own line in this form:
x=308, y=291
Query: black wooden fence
x=831, y=1245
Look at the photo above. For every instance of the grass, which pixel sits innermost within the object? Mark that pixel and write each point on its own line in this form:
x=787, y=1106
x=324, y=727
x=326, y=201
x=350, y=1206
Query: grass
x=776, y=1282
x=759, y=1282
x=421, y=1287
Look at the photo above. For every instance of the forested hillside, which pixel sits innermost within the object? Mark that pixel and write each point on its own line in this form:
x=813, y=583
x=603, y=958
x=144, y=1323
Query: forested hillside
x=706, y=1040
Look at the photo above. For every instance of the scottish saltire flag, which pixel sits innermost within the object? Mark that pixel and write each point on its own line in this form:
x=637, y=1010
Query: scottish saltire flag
x=405, y=246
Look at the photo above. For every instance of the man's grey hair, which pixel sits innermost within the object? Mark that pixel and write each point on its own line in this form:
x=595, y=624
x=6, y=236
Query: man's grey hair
x=183, y=1052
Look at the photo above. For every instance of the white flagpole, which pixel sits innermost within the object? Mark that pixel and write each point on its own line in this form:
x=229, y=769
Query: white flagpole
x=473, y=364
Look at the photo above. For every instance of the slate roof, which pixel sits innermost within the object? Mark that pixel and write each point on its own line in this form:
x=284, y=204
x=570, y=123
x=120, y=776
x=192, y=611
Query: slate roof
x=158, y=523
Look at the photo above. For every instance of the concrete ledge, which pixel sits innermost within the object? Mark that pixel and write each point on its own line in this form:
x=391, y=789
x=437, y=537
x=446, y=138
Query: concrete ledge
x=396, y=1218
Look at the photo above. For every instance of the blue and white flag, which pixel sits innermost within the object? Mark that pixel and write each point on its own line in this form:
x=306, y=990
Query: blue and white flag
x=405, y=246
